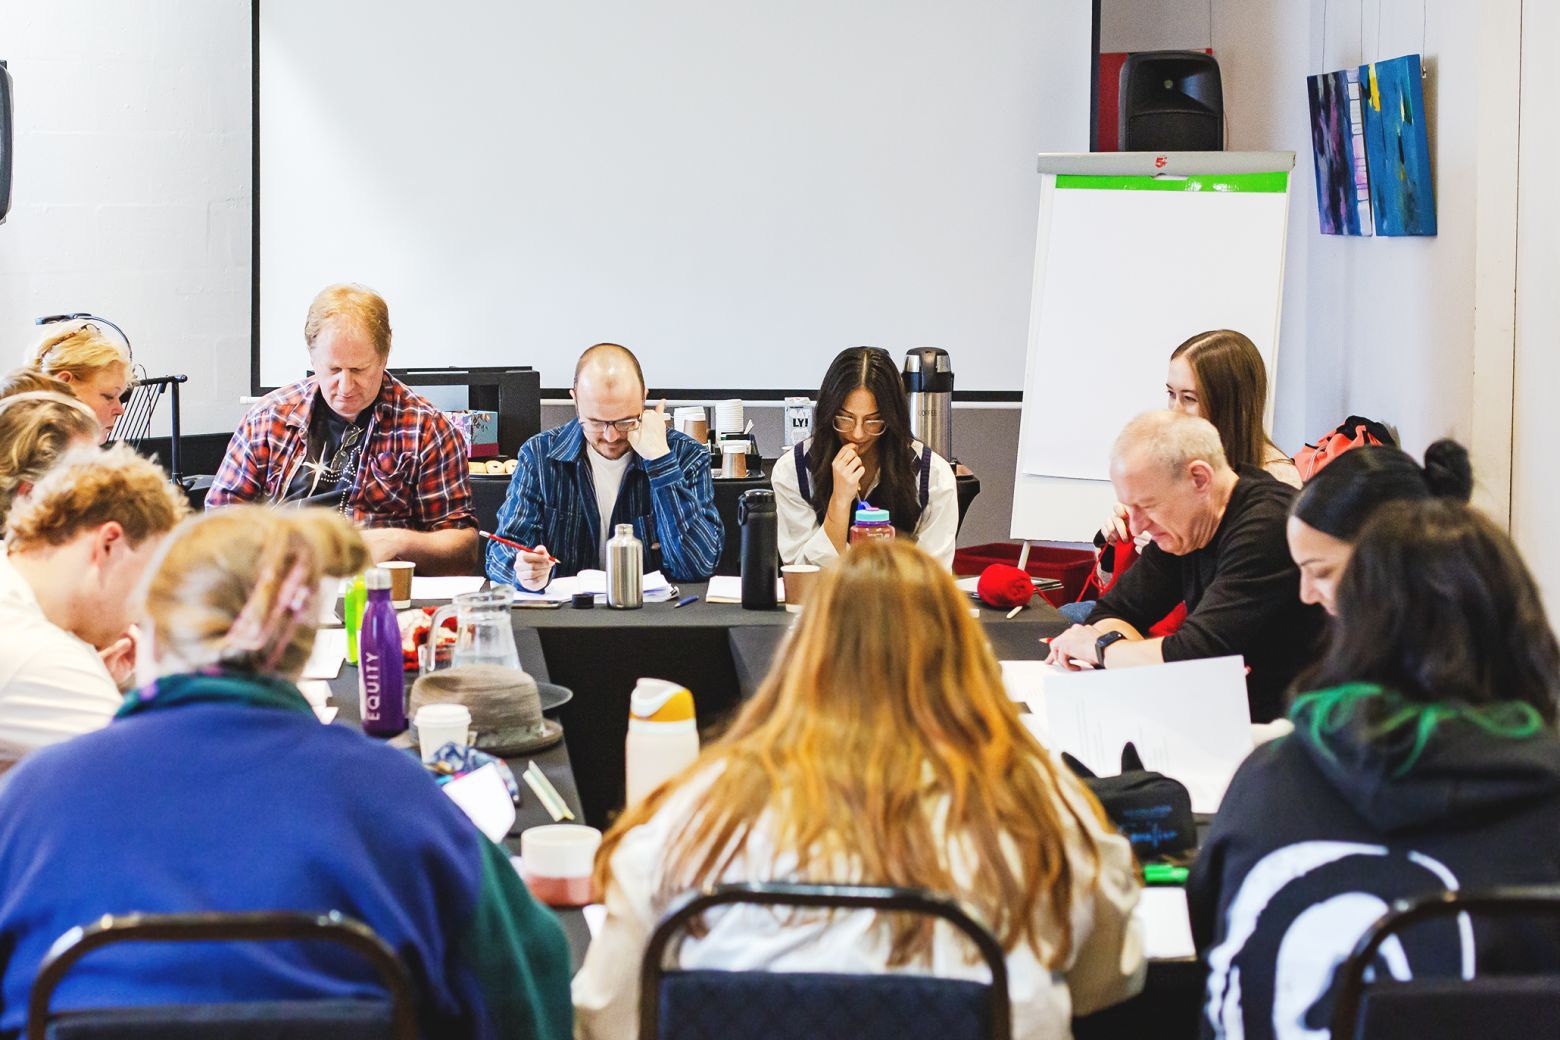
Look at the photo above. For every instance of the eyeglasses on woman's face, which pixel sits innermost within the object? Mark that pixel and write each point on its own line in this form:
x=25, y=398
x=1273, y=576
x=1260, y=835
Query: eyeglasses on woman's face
x=628, y=425
x=847, y=424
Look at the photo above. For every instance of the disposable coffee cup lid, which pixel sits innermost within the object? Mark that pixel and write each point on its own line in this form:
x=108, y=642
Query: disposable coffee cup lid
x=442, y=714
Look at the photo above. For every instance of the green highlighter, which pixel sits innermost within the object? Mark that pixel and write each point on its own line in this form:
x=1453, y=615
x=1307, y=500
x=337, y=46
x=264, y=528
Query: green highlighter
x=1164, y=874
x=352, y=615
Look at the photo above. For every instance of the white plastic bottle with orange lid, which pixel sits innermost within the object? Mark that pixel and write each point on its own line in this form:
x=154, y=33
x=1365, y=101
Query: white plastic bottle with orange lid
x=663, y=735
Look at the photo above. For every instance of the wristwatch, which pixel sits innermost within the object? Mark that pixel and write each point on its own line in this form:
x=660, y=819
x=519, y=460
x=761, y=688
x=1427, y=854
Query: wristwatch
x=1104, y=641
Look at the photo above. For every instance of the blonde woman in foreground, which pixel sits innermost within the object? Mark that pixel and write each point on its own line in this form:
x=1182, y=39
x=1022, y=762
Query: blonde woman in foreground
x=881, y=749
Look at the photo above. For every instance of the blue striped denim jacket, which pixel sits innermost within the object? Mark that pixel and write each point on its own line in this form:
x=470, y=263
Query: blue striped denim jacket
x=552, y=502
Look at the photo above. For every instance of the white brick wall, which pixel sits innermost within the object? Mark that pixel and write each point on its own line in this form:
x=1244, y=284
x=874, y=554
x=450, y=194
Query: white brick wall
x=131, y=185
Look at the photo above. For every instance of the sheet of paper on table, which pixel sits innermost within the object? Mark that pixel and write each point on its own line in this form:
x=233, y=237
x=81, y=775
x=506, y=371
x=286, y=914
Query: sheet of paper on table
x=329, y=599
x=330, y=652
x=726, y=588
x=482, y=796
x=1025, y=682
x=315, y=691
x=444, y=588
x=1190, y=720
x=1167, y=929
x=656, y=588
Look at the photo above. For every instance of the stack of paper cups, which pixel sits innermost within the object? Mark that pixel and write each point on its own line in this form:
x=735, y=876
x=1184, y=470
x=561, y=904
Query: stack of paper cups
x=728, y=417
x=693, y=422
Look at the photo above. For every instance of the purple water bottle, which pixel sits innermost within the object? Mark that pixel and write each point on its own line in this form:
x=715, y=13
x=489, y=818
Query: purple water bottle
x=381, y=673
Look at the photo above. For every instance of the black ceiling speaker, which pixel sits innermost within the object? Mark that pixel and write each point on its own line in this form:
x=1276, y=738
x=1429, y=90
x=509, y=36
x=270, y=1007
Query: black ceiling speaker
x=7, y=141
x=1171, y=101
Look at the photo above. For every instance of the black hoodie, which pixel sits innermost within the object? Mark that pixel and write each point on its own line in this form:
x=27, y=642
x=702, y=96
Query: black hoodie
x=1321, y=831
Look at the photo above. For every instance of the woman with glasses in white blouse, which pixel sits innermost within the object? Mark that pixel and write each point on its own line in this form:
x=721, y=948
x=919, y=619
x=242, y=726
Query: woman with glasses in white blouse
x=861, y=450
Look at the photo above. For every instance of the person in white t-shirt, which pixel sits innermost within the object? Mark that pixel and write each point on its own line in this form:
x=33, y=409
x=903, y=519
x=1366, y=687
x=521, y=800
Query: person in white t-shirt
x=76, y=547
x=615, y=463
x=861, y=450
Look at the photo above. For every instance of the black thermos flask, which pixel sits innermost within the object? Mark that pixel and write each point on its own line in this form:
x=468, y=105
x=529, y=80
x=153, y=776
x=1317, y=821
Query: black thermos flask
x=760, y=549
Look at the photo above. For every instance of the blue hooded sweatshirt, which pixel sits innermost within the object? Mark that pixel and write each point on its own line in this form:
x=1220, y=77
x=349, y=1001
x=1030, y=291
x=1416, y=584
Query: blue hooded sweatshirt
x=223, y=792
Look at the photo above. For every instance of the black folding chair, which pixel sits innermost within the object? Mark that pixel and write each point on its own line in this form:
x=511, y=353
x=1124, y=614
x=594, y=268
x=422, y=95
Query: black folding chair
x=140, y=402
x=339, y=1019
x=1488, y=1006
x=710, y=1004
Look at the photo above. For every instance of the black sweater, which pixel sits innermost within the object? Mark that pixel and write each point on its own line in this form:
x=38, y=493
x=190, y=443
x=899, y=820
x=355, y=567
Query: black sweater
x=1242, y=594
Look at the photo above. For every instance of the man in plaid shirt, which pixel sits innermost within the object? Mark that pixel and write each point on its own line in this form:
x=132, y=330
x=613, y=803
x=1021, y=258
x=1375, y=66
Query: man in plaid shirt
x=352, y=437
x=615, y=463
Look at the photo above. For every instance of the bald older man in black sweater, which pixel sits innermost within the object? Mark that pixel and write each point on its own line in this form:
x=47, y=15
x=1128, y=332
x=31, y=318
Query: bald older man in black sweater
x=1218, y=546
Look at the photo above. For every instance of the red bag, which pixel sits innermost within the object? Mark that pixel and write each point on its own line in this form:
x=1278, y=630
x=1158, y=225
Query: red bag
x=1354, y=432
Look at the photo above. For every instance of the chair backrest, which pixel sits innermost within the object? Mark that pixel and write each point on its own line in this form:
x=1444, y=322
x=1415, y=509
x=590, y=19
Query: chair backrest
x=274, y=1020
x=140, y=402
x=1432, y=1008
x=694, y=1004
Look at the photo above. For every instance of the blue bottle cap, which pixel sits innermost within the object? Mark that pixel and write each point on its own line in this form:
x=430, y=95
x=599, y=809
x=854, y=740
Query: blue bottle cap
x=866, y=514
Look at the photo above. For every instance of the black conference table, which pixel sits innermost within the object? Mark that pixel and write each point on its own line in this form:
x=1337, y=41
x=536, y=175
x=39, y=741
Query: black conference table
x=721, y=652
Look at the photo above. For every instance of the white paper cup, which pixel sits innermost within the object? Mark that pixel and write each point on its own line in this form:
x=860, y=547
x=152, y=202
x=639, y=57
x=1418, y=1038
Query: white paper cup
x=556, y=861
x=799, y=578
x=734, y=456
x=728, y=416
x=438, y=724
x=400, y=572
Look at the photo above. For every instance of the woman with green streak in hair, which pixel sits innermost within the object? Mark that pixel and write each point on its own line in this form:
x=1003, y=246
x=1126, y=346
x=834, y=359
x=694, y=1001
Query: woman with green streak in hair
x=1425, y=757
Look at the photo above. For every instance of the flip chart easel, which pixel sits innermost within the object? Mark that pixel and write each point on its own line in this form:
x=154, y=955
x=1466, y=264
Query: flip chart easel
x=1135, y=252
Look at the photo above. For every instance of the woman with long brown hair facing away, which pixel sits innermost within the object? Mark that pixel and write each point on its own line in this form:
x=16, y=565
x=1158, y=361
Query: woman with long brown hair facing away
x=872, y=758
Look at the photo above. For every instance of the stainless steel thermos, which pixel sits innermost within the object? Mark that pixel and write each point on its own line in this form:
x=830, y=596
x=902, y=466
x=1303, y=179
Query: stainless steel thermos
x=625, y=569
x=928, y=379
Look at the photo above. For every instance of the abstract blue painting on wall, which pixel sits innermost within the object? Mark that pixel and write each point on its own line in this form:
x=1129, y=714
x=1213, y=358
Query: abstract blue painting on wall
x=1338, y=146
x=1397, y=147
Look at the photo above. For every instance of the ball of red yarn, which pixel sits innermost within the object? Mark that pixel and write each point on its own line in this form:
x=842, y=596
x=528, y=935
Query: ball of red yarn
x=1002, y=585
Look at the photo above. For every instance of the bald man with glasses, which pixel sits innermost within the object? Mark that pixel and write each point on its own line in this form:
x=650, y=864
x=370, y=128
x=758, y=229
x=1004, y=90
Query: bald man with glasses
x=614, y=463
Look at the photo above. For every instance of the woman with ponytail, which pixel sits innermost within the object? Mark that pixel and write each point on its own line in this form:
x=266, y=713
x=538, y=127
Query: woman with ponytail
x=1424, y=758
x=215, y=788
x=1332, y=508
x=866, y=757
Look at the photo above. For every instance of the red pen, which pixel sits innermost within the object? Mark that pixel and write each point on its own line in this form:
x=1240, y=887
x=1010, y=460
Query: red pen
x=515, y=545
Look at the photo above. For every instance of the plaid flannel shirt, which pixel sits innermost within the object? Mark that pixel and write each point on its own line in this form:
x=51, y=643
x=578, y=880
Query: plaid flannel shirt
x=412, y=472
x=552, y=501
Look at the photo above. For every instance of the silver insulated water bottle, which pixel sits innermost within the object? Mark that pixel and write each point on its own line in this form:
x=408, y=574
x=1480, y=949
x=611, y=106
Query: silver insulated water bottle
x=625, y=569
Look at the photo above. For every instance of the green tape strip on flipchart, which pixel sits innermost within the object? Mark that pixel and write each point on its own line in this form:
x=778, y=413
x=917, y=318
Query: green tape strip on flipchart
x=1277, y=181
